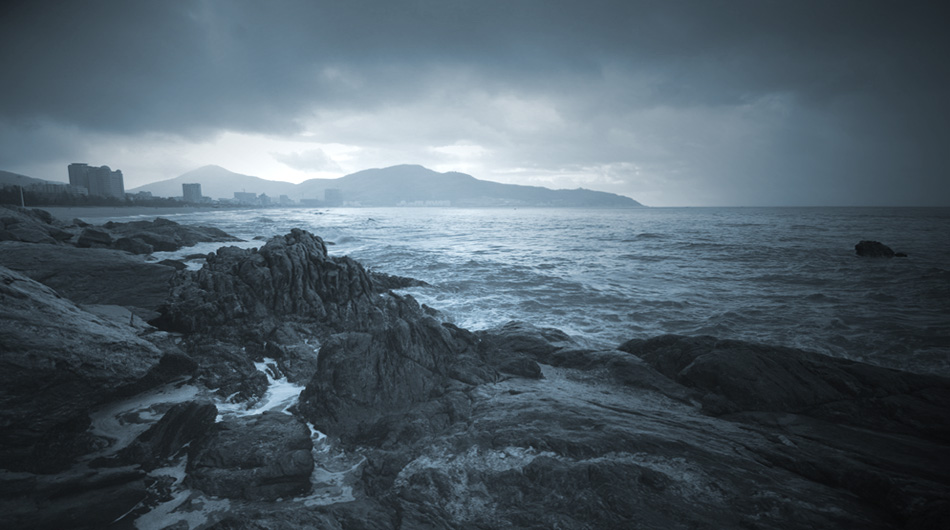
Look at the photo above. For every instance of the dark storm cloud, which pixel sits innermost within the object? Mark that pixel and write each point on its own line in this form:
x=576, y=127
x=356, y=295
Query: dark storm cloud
x=873, y=72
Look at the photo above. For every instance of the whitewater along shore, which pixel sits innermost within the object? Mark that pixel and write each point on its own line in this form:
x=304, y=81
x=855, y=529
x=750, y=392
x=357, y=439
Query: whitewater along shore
x=280, y=387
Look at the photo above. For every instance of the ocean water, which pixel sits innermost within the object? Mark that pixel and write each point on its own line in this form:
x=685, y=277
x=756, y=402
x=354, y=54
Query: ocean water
x=783, y=276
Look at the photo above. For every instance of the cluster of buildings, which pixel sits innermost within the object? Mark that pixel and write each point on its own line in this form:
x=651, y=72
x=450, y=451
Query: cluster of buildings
x=104, y=182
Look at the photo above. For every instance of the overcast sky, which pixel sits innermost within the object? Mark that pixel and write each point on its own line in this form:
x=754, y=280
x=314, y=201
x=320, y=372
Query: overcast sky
x=672, y=103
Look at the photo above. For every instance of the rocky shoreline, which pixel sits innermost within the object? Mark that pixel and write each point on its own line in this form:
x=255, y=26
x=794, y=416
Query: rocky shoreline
x=144, y=390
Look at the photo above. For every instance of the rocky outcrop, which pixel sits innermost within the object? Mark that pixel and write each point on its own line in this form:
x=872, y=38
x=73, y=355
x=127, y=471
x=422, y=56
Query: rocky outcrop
x=144, y=237
x=291, y=276
x=136, y=237
x=876, y=249
x=739, y=376
x=91, y=275
x=56, y=362
x=264, y=457
x=30, y=226
x=401, y=382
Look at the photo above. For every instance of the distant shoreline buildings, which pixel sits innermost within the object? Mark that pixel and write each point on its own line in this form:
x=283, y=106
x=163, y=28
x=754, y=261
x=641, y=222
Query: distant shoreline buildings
x=192, y=193
x=98, y=181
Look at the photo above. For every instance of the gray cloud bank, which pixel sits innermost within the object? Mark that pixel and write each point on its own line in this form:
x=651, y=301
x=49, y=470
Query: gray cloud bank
x=704, y=102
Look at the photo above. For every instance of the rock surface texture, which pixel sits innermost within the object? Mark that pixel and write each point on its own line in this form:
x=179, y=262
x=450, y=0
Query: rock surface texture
x=57, y=361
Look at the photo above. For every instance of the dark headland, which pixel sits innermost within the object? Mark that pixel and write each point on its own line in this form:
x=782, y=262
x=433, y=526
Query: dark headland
x=427, y=425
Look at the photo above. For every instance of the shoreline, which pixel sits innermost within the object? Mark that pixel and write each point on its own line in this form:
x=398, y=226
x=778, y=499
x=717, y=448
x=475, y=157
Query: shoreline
x=68, y=213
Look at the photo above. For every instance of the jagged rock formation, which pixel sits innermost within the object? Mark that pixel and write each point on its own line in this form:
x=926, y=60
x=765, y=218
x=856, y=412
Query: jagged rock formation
x=291, y=276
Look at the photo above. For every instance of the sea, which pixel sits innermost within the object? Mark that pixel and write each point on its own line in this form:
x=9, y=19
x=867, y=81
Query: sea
x=779, y=276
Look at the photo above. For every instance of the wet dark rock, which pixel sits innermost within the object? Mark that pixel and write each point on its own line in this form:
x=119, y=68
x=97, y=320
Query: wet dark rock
x=94, y=238
x=57, y=362
x=367, y=383
x=387, y=282
x=166, y=235
x=522, y=367
x=874, y=249
x=173, y=263
x=227, y=368
x=528, y=339
x=755, y=377
x=91, y=276
x=262, y=457
x=183, y=424
x=88, y=501
x=133, y=245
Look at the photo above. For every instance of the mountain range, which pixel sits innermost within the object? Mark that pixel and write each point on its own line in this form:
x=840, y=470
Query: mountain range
x=391, y=186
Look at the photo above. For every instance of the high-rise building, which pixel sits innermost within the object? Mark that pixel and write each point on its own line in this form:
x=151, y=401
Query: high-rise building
x=100, y=181
x=191, y=192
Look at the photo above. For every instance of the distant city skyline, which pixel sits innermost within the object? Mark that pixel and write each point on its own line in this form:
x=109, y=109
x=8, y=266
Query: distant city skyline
x=671, y=103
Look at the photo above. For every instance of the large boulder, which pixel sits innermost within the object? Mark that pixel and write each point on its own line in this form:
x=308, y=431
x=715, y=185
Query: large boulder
x=94, y=238
x=263, y=457
x=91, y=275
x=399, y=382
x=56, y=362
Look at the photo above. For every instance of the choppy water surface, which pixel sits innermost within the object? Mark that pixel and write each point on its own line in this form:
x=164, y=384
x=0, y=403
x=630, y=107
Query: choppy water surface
x=784, y=276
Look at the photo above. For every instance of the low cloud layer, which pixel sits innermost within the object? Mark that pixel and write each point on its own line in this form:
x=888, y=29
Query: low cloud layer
x=672, y=103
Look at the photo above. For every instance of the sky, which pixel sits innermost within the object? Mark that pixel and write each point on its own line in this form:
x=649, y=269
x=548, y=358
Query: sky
x=672, y=103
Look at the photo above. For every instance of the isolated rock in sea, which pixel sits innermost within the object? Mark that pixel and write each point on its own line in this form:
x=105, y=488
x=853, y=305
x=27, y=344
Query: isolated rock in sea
x=875, y=249
x=57, y=362
x=91, y=275
x=263, y=457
